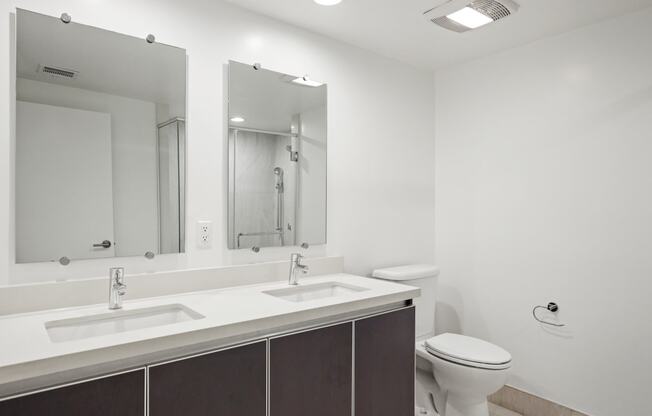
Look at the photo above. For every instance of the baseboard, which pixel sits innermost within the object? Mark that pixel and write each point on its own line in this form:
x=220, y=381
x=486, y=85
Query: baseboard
x=528, y=404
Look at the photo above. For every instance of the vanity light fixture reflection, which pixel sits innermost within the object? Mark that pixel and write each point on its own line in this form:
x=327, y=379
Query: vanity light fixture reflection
x=304, y=80
x=237, y=120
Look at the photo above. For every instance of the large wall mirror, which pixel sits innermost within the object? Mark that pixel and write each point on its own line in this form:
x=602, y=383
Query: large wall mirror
x=100, y=143
x=277, y=158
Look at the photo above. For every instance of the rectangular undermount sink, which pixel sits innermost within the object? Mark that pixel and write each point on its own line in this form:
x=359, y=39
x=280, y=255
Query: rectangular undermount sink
x=314, y=291
x=119, y=321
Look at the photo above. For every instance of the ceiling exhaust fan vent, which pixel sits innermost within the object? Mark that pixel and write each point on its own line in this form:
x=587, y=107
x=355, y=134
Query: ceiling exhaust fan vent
x=57, y=72
x=492, y=9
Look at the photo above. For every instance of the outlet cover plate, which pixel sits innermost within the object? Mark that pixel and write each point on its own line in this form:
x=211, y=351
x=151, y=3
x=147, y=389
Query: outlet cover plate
x=204, y=234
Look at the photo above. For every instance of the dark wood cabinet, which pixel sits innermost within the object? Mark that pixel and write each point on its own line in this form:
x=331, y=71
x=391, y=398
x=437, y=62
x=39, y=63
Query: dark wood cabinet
x=366, y=364
x=230, y=382
x=121, y=394
x=311, y=372
x=384, y=364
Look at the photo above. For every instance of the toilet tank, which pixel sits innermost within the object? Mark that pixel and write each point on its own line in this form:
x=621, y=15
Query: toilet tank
x=423, y=276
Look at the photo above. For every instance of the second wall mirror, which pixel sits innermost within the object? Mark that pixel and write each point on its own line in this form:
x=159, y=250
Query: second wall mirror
x=277, y=158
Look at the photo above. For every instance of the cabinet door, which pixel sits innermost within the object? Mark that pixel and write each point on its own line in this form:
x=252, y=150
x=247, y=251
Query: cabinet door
x=311, y=374
x=384, y=364
x=122, y=394
x=230, y=382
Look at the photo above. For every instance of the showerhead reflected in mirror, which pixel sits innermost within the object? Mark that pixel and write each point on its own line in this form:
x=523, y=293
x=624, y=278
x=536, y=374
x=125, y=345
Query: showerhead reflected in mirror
x=277, y=158
x=100, y=142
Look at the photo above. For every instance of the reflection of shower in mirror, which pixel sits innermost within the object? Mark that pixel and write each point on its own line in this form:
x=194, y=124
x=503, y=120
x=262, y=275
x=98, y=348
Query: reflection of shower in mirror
x=294, y=155
x=279, y=178
x=280, y=212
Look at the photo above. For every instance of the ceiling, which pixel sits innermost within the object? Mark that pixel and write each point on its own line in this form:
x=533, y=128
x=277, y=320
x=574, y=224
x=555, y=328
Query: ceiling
x=106, y=61
x=397, y=28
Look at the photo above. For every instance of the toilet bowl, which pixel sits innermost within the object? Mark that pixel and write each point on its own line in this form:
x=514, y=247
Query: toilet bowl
x=464, y=371
x=455, y=373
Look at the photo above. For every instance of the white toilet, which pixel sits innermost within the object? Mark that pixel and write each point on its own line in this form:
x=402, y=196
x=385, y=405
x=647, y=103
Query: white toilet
x=455, y=373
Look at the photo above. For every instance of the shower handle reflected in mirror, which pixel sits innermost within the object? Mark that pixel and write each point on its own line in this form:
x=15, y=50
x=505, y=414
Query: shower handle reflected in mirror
x=280, y=212
x=294, y=155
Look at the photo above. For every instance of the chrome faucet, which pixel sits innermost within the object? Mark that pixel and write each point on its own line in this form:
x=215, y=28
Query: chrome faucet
x=295, y=264
x=117, y=287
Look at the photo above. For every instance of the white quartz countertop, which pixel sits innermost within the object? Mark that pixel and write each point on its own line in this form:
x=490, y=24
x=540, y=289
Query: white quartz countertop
x=27, y=351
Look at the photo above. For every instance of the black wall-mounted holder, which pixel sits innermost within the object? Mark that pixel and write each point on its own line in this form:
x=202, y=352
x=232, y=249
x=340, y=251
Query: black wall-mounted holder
x=551, y=307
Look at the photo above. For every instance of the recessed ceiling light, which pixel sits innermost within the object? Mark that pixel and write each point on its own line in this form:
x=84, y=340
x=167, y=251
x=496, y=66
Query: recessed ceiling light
x=328, y=2
x=470, y=18
x=307, y=82
x=238, y=120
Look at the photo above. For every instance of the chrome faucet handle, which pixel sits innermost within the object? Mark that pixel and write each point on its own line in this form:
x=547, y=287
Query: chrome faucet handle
x=117, y=273
x=121, y=288
x=295, y=263
x=117, y=287
x=296, y=257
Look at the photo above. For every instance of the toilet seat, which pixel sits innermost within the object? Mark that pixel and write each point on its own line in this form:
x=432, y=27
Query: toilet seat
x=468, y=351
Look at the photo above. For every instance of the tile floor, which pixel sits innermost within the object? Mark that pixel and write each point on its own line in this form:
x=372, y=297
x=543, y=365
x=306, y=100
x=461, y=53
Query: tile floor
x=526, y=404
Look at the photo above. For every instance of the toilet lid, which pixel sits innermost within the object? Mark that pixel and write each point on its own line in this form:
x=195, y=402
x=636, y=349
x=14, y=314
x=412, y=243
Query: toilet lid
x=468, y=350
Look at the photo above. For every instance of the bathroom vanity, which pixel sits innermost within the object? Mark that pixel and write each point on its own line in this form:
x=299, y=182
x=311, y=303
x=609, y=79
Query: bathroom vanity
x=333, y=345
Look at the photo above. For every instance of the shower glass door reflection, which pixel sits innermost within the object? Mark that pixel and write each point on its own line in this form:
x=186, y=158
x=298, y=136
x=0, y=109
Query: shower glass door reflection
x=263, y=184
x=171, y=185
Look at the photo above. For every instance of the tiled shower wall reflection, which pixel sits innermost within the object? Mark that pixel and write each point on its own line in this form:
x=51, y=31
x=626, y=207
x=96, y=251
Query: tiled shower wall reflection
x=255, y=206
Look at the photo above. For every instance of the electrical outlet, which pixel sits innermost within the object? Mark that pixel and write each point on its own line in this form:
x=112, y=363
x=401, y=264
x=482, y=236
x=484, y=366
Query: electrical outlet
x=204, y=234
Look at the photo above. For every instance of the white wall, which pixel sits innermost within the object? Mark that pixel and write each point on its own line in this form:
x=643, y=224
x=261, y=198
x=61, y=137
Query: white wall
x=381, y=179
x=543, y=178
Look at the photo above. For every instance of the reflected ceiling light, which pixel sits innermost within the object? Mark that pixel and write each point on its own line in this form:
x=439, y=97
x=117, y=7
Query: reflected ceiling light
x=307, y=82
x=470, y=18
x=328, y=2
x=238, y=120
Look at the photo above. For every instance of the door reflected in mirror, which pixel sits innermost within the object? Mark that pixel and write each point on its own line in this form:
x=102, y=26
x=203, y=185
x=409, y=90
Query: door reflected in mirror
x=277, y=159
x=100, y=142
